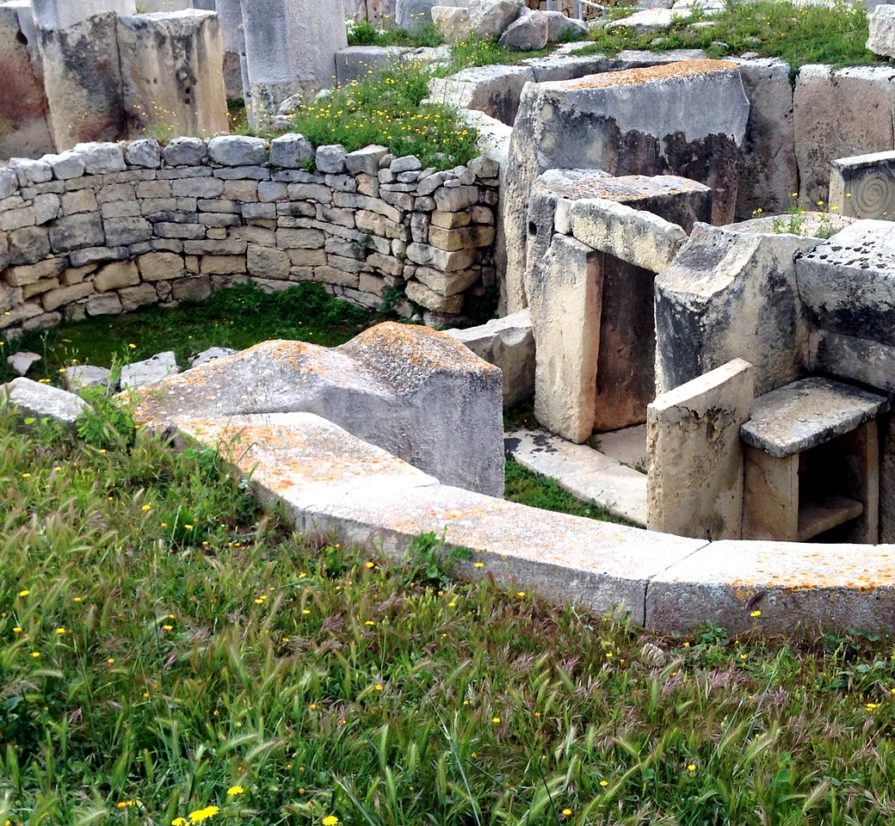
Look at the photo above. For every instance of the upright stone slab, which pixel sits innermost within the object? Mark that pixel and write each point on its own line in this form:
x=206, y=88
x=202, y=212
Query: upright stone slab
x=695, y=480
x=415, y=392
x=413, y=15
x=170, y=66
x=233, y=37
x=728, y=295
x=82, y=79
x=24, y=130
x=290, y=50
x=687, y=118
x=565, y=314
x=881, y=40
x=60, y=14
x=864, y=186
x=840, y=113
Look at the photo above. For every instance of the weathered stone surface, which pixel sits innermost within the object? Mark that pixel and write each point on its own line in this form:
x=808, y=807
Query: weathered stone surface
x=494, y=90
x=101, y=158
x=490, y=18
x=365, y=160
x=859, y=100
x=730, y=295
x=452, y=22
x=882, y=31
x=75, y=231
x=848, y=282
x=565, y=313
x=80, y=376
x=60, y=14
x=185, y=152
x=561, y=28
x=237, y=150
x=528, y=33
x=144, y=152
x=687, y=118
x=82, y=79
x=507, y=343
x=291, y=151
x=417, y=393
x=149, y=372
x=695, y=480
x=116, y=275
x=864, y=186
x=331, y=158
x=170, y=62
x=807, y=413
x=210, y=355
x=40, y=400
x=160, y=266
x=767, y=169
x=22, y=362
x=413, y=15
x=359, y=62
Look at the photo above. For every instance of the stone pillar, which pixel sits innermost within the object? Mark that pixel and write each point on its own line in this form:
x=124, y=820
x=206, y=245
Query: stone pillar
x=82, y=80
x=695, y=481
x=24, y=129
x=291, y=49
x=60, y=14
x=233, y=36
x=171, y=73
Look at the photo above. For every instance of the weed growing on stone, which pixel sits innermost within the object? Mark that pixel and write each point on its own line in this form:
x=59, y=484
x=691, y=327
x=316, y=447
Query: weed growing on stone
x=168, y=654
x=364, y=33
x=771, y=28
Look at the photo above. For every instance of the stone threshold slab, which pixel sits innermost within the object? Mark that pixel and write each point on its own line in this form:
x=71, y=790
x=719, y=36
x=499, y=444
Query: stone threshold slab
x=584, y=472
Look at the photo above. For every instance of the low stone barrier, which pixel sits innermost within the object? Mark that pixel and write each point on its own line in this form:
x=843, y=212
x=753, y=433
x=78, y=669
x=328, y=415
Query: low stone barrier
x=107, y=228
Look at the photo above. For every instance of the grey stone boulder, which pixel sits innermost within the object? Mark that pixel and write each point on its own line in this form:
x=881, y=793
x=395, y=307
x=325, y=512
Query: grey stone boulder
x=211, y=354
x=22, y=362
x=365, y=160
x=507, y=343
x=490, y=18
x=452, y=21
x=101, y=158
x=185, y=152
x=42, y=400
x=237, y=150
x=414, y=392
x=413, y=15
x=730, y=295
x=882, y=31
x=66, y=165
x=291, y=151
x=79, y=376
x=331, y=158
x=145, y=153
x=9, y=181
x=149, y=371
x=561, y=28
x=528, y=33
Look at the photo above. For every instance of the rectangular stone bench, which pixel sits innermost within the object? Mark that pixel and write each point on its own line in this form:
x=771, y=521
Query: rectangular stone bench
x=812, y=462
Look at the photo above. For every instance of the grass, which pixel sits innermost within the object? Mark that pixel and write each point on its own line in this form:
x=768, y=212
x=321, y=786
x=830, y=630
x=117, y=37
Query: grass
x=167, y=650
x=236, y=317
x=364, y=33
x=771, y=28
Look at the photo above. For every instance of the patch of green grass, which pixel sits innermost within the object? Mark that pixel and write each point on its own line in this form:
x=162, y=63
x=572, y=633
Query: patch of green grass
x=364, y=33
x=772, y=28
x=537, y=491
x=477, y=51
x=236, y=317
x=162, y=643
x=387, y=109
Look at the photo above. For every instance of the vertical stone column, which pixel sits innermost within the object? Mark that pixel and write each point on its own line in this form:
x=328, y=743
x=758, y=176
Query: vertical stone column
x=291, y=49
x=235, y=77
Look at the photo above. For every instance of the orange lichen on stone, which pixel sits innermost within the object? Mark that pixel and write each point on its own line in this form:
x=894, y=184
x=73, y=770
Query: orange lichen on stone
x=636, y=77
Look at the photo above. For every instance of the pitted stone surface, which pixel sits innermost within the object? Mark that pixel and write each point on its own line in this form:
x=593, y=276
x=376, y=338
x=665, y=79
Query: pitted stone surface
x=41, y=400
x=808, y=413
x=417, y=393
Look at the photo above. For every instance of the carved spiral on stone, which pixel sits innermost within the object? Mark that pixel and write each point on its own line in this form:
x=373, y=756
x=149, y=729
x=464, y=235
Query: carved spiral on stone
x=874, y=195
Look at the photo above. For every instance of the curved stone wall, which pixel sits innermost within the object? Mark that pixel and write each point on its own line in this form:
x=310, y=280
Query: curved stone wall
x=107, y=228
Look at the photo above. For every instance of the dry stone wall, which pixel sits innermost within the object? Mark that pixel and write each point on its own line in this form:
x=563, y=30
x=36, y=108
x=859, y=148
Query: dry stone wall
x=107, y=228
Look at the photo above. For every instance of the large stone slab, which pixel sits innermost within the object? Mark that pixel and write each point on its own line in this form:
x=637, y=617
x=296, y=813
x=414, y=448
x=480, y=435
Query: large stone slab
x=881, y=39
x=415, y=392
x=863, y=186
x=414, y=15
x=859, y=100
x=24, y=130
x=494, y=90
x=358, y=62
x=728, y=295
x=855, y=359
x=40, y=400
x=565, y=312
x=695, y=480
x=848, y=282
x=61, y=14
x=687, y=118
x=170, y=63
x=507, y=343
x=794, y=586
x=82, y=78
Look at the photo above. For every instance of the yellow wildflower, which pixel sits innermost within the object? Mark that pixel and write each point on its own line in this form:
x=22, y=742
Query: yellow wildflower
x=203, y=814
x=233, y=791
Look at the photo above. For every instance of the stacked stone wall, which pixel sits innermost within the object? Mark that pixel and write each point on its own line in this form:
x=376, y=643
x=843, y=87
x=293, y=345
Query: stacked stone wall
x=107, y=228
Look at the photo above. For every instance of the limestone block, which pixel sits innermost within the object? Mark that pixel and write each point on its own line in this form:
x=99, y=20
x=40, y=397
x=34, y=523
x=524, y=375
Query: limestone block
x=79, y=376
x=864, y=186
x=490, y=18
x=9, y=182
x=185, y=152
x=859, y=100
x=528, y=33
x=452, y=22
x=494, y=90
x=41, y=400
x=413, y=15
x=28, y=245
x=359, y=62
x=291, y=151
x=330, y=159
x=290, y=49
x=695, y=480
x=66, y=165
x=116, y=275
x=82, y=80
x=410, y=390
x=687, y=118
x=366, y=160
x=31, y=172
x=101, y=158
x=848, y=282
x=61, y=14
x=561, y=28
x=507, y=343
x=237, y=150
x=565, y=313
x=170, y=68
x=210, y=355
x=768, y=172
x=160, y=266
x=142, y=295
x=419, y=293
x=728, y=295
x=22, y=362
x=149, y=372
x=882, y=31
x=23, y=103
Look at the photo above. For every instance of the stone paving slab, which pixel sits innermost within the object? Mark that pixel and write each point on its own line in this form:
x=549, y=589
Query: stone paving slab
x=582, y=471
x=791, y=584
x=627, y=445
